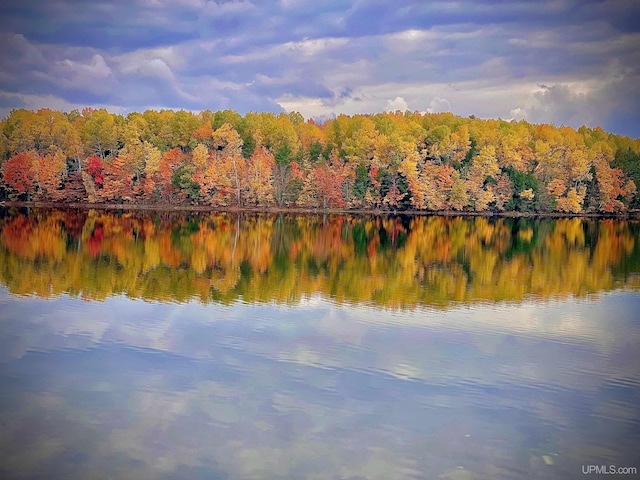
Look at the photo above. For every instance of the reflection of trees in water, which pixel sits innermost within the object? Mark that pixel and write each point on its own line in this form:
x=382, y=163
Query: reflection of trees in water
x=390, y=261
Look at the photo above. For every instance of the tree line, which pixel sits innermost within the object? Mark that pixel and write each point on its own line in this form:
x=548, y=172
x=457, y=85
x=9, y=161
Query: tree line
x=385, y=161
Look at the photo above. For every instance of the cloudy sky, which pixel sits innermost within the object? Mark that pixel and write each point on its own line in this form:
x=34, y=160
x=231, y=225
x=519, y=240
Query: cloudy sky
x=569, y=62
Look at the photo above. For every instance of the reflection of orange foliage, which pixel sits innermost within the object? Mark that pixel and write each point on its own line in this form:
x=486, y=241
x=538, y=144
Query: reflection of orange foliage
x=295, y=249
x=93, y=243
x=430, y=260
x=372, y=247
x=169, y=255
x=33, y=238
x=15, y=235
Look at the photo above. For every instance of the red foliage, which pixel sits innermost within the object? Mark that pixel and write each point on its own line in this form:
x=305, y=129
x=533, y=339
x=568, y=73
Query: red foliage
x=17, y=173
x=373, y=176
x=329, y=185
x=95, y=169
x=74, y=190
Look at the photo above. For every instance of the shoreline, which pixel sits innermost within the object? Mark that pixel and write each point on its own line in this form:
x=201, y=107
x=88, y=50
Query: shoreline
x=629, y=215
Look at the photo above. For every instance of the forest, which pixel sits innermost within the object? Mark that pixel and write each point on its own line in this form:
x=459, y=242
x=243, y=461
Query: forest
x=394, y=161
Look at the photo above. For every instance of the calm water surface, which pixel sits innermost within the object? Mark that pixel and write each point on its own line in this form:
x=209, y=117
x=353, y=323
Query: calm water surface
x=222, y=347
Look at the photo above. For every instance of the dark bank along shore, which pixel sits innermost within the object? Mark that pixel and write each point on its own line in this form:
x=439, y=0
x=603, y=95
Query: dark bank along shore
x=630, y=214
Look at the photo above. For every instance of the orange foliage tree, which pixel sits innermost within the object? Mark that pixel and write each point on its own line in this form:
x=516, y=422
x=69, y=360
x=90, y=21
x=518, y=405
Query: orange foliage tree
x=17, y=174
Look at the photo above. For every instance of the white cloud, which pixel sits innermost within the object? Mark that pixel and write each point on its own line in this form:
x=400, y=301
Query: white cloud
x=156, y=68
x=94, y=76
x=439, y=104
x=142, y=59
x=315, y=47
x=411, y=41
x=518, y=113
x=583, y=102
x=160, y=63
x=397, y=103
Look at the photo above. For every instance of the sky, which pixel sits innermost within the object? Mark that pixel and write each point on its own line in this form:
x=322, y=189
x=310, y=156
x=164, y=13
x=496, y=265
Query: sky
x=567, y=62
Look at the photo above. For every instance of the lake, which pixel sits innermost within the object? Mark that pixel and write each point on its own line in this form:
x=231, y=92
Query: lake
x=221, y=346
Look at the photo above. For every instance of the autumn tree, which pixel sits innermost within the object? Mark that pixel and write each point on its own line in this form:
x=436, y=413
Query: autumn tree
x=166, y=181
x=323, y=185
x=457, y=145
x=227, y=146
x=159, y=129
x=203, y=135
x=312, y=140
x=278, y=134
x=563, y=167
x=20, y=131
x=612, y=185
x=360, y=139
x=436, y=143
x=514, y=149
x=259, y=170
x=627, y=158
x=410, y=168
x=183, y=124
x=437, y=182
x=206, y=174
x=48, y=170
x=99, y=132
x=17, y=173
x=481, y=174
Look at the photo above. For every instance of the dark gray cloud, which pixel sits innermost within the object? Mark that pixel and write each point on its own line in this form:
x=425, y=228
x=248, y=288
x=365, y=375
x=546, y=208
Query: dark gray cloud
x=485, y=58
